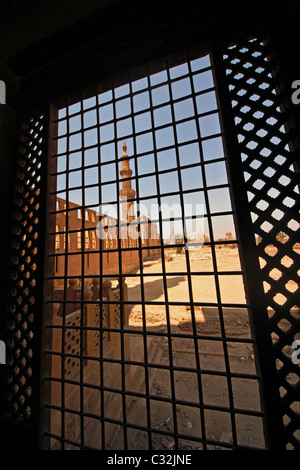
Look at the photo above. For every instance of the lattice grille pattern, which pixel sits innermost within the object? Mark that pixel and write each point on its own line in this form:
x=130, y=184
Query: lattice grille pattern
x=72, y=343
x=181, y=350
x=272, y=182
x=24, y=270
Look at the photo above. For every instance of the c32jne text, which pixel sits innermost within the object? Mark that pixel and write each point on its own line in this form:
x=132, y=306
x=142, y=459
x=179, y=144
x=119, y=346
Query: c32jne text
x=156, y=459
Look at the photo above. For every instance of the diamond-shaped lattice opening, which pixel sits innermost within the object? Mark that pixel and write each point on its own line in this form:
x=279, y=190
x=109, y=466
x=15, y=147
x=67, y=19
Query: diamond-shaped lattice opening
x=275, y=274
x=271, y=120
x=271, y=250
x=280, y=299
x=269, y=185
x=266, y=226
x=258, y=115
x=283, y=394
x=259, y=70
x=286, y=420
x=295, y=312
x=288, y=351
x=296, y=248
x=296, y=436
x=262, y=262
x=273, y=193
x=254, y=217
x=262, y=205
x=286, y=261
x=252, y=144
x=254, y=97
x=295, y=406
x=268, y=103
x=245, y=109
x=238, y=76
x=288, y=201
x=261, y=132
x=293, y=379
x=242, y=92
x=284, y=324
x=269, y=172
x=282, y=237
x=265, y=152
x=266, y=286
x=293, y=225
x=258, y=184
x=292, y=286
x=255, y=164
x=279, y=159
x=248, y=126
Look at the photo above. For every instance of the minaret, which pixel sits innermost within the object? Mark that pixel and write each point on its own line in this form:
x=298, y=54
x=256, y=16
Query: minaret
x=126, y=192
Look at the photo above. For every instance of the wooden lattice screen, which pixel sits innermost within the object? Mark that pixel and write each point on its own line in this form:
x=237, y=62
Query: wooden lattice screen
x=268, y=157
x=270, y=166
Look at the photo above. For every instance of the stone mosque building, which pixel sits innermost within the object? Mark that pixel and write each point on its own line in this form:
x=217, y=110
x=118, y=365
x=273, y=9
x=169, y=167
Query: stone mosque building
x=104, y=229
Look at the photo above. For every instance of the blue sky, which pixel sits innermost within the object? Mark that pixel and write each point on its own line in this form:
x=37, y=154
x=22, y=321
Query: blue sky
x=134, y=124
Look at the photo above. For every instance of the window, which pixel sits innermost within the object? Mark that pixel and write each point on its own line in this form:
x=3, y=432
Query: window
x=78, y=234
x=94, y=243
x=57, y=238
x=87, y=240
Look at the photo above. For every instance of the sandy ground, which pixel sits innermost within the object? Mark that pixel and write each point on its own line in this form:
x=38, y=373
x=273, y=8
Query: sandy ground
x=194, y=390
x=217, y=391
